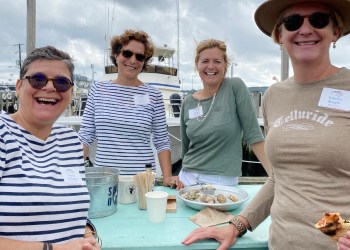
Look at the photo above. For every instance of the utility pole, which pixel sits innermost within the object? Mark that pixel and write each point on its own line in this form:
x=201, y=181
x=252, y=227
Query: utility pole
x=93, y=73
x=19, y=54
x=192, y=82
x=31, y=24
x=233, y=64
x=284, y=65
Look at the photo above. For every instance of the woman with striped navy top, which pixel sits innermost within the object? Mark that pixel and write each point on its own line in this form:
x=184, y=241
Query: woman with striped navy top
x=122, y=114
x=44, y=201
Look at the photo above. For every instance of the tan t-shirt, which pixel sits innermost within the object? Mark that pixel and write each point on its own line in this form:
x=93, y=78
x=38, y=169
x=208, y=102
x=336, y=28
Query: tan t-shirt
x=308, y=145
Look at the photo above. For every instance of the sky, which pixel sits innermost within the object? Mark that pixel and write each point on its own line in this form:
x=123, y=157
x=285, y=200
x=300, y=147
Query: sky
x=83, y=29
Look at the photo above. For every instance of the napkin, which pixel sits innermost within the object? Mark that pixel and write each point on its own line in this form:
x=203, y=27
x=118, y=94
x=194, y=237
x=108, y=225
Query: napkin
x=210, y=217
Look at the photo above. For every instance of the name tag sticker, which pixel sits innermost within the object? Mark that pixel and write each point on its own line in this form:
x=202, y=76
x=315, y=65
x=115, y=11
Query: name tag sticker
x=196, y=112
x=71, y=176
x=141, y=99
x=335, y=99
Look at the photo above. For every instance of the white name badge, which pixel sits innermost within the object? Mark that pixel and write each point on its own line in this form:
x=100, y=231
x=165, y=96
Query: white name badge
x=335, y=99
x=141, y=99
x=196, y=112
x=71, y=176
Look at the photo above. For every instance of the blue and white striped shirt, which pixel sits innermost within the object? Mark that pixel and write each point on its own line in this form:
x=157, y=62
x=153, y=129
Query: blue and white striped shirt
x=122, y=119
x=43, y=194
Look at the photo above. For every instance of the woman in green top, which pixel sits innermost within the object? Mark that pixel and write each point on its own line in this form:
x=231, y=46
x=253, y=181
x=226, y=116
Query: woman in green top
x=212, y=122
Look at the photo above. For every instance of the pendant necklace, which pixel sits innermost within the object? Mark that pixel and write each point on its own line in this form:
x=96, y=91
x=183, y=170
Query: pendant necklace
x=202, y=117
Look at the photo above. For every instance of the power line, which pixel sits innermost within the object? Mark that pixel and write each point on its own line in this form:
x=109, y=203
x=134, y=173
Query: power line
x=19, y=54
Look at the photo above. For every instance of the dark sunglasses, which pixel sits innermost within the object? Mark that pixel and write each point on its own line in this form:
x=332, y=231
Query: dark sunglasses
x=39, y=80
x=317, y=20
x=128, y=54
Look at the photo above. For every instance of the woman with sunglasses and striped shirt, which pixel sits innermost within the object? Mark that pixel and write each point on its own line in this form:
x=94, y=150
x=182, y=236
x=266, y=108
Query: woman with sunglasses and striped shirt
x=44, y=200
x=122, y=114
x=307, y=121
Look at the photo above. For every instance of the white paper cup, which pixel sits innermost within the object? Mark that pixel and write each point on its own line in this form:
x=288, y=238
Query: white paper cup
x=126, y=189
x=156, y=205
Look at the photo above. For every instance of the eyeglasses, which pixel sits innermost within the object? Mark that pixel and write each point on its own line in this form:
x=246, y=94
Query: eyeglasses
x=128, y=54
x=317, y=20
x=39, y=80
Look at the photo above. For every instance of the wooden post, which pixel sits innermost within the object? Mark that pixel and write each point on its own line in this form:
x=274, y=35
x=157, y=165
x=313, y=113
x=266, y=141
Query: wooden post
x=178, y=39
x=31, y=24
x=284, y=65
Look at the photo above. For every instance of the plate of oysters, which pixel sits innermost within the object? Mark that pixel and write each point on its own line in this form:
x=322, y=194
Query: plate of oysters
x=222, y=198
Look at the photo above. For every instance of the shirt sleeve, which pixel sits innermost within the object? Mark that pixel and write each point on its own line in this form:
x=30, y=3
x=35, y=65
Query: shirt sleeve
x=87, y=132
x=184, y=138
x=159, y=127
x=246, y=113
x=2, y=154
x=259, y=208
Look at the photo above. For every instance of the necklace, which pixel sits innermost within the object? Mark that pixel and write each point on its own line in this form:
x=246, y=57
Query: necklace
x=202, y=117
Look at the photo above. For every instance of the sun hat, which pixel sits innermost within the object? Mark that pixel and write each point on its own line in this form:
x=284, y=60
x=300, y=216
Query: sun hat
x=268, y=12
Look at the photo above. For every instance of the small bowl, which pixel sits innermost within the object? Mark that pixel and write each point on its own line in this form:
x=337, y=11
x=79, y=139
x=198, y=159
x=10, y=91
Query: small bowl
x=240, y=194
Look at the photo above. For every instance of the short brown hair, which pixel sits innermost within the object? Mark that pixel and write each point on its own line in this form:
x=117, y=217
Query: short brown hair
x=212, y=43
x=117, y=42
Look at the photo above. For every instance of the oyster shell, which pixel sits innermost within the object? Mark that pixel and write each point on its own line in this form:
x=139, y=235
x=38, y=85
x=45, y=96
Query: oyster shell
x=221, y=198
x=207, y=199
x=232, y=197
x=191, y=195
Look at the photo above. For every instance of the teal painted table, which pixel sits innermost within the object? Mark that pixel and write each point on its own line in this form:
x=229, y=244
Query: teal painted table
x=129, y=228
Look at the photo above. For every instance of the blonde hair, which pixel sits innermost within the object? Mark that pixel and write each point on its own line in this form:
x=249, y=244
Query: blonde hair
x=212, y=43
x=336, y=19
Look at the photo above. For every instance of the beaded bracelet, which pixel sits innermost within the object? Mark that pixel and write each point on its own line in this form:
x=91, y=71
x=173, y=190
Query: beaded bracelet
x=239, y=225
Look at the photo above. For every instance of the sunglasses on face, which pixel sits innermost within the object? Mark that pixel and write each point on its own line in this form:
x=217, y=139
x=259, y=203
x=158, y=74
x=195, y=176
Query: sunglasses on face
x=317, y=20
x=128, y=54
x=39, y=80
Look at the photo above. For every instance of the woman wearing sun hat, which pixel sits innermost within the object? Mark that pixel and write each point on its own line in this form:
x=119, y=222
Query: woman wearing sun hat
x=307, y=121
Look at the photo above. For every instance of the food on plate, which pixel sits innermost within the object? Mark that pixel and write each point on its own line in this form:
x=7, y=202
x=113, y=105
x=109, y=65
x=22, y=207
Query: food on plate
x=232, y=197
x=207, y=199
x=191, y=195
x=207, y=187
x=218, y=199
x=200, y=195
x=221, y=198
x=330, y=223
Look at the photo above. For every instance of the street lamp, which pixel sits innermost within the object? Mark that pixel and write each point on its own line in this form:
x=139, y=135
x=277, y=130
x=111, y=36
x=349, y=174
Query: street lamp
x=192, y=81
x=93, y=73
x=233, y=64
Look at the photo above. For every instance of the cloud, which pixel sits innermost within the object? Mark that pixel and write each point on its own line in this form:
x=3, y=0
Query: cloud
x=83, y=29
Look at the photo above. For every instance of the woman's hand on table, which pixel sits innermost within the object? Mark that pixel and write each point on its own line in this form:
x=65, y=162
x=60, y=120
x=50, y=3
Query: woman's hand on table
x=344, y=242
x=225, y=235
x=89, y=243
x=173, y=181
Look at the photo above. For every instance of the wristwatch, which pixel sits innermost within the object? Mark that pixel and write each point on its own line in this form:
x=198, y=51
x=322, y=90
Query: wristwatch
x=239, y=225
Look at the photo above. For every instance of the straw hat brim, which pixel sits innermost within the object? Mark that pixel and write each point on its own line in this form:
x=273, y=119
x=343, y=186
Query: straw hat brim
x=267, y=13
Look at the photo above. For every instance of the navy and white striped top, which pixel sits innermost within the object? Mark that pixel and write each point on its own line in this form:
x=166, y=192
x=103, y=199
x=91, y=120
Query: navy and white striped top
x=43, y=194
x=122, y=119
